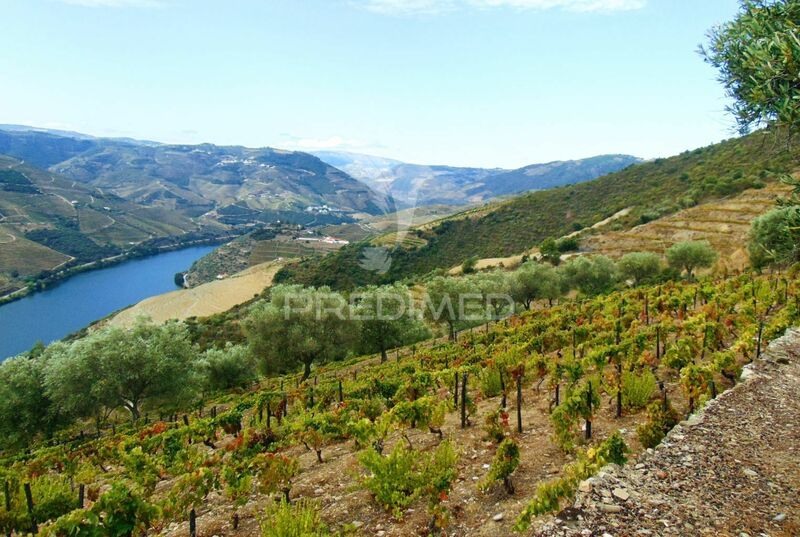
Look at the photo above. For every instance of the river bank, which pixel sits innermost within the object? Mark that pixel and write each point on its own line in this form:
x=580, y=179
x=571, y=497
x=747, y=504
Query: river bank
x=141, y=251
x=79, y=301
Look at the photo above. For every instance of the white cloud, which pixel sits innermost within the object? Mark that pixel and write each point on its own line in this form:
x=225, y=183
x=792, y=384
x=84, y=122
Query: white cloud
x=114, y=3
x=431, y=7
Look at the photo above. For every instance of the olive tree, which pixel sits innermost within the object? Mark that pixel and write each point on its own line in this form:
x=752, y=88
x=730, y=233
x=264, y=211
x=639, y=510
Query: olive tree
x=756, y=54
x=535, y=281
x=299, y=326
x=227, y=368
x=387, y=319
x=146, y=364
x=74, y=381
x=688, y=256
x=775, y=238
x=590, y=275
x=26, y=410
x=448, y=300
x=495, y=288
x=639, y=267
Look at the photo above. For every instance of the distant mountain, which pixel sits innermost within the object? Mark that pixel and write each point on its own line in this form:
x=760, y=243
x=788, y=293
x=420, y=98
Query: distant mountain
x=48, y=221
x=235, y=185
x=415, y=184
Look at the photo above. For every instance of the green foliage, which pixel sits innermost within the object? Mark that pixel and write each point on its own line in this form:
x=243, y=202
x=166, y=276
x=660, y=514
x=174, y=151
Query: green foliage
x=386, y=318
x=118, y=513
x=228, y=368
x=756, y=54
x=468, y=266
x=659, y=422
x=506, y=460
x=396, y=480
x=26, y=410
x=391, y=479
x=775, y=238
x=535, y=281
x=299, y=519
x=637, y=389
x=690, y=255
x=299, y=326
x=639, y=267
x=549, y=495
x=590, y=275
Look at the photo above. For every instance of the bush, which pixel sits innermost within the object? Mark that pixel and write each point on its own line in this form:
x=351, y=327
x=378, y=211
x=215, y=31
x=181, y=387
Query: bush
x=391, y=479
x=659, y=423
x=505, y=461
x=398, y=479
x=637, y=389
x=491, y=385
x=300, y=519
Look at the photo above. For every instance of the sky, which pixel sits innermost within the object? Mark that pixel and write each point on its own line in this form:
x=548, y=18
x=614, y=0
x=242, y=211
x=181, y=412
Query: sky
x=491, y=83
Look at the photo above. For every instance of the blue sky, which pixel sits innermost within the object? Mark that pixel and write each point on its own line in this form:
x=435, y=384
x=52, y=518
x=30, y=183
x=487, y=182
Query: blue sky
x=462, y=82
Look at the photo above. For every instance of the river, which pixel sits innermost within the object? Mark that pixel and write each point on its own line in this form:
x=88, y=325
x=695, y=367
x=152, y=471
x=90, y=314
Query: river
x=51, y=314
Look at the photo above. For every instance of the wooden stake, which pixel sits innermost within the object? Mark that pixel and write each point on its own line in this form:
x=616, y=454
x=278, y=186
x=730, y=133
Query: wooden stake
x=29, y=500
x=464, y=401
x=589, y=420
x=519, y=404
x=192, y=523
x=81, y=495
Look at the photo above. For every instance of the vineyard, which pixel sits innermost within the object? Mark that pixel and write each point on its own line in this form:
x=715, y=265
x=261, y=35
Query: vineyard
x=477, y=436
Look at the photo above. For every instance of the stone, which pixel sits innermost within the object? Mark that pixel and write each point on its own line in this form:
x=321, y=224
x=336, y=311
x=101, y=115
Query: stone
x=498, y=517
x=750, y=473
x=610, y=508
x=780, y=517
x=621, y=494
x=585, y=486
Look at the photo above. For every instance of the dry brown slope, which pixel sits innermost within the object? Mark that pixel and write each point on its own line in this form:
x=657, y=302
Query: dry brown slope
x=724, y=223
x=204, y=300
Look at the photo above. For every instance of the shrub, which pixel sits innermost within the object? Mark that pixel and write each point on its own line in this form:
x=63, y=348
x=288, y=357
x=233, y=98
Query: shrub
x=300, y=519
x=398, y=479
x=659, y=422
x=491, y=385
x=391, y=478
x=637, y=389
x=505, y=461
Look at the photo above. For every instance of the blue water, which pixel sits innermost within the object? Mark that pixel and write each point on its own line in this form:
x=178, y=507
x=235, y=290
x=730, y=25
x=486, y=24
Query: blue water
x=51, y=314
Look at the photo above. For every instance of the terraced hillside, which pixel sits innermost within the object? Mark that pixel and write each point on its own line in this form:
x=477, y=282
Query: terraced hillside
x=48, y=221
x=724, y=223
x=648, y=191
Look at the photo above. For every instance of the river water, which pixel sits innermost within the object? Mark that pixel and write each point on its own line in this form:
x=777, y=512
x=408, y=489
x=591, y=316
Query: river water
x=51, y=314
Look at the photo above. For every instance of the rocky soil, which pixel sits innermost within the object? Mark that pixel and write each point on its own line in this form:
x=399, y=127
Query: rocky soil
x=732, y=470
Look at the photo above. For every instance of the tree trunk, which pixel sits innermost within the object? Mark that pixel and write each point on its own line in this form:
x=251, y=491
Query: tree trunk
x=306, y=370
x=383, y=355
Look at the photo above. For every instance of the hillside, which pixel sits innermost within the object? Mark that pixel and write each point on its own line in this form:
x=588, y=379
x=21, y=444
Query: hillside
x=234, y=185
x=203, y=300
x=412, y=185
x=48, y=221
x=229, y=460
x=649, y=191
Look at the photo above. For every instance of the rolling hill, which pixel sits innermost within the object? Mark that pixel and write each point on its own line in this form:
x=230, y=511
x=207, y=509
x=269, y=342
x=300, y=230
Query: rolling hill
x=235, y=185
x=48, y=221
x=413, y=185
x=649, y=191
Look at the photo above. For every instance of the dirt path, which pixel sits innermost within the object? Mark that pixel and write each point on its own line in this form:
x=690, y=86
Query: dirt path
x=731, y=471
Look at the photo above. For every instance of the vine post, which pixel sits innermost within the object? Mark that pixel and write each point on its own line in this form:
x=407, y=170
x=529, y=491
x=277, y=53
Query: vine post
x=464, y=400
x=589, y=419
x=519, y=404
x=29, y=501
x=455, y=390
x=81, y=495
x=192, y=523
